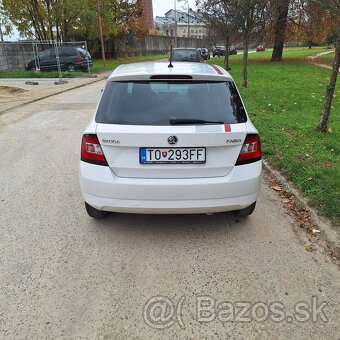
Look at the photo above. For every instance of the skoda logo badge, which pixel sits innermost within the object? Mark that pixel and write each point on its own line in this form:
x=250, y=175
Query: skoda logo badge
x=172, y=140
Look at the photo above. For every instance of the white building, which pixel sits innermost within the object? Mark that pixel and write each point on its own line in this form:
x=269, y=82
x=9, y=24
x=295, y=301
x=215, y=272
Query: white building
x=187, y=24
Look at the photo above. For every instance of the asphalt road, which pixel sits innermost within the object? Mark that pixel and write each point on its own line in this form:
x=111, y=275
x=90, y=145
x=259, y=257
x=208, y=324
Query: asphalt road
x=66, y=276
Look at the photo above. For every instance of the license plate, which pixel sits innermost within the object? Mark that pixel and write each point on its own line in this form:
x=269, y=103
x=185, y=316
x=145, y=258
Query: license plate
x=172, y=155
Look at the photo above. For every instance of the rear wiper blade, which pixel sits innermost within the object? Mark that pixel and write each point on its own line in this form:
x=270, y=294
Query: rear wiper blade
x=179, y=121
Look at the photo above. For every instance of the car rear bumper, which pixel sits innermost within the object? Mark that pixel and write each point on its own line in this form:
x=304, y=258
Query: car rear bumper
x=103, y=190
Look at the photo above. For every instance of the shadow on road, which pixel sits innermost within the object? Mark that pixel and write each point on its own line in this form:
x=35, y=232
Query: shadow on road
x=171, y=225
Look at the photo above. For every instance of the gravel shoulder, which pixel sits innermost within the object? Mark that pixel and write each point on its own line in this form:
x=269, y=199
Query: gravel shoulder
x=17, y=92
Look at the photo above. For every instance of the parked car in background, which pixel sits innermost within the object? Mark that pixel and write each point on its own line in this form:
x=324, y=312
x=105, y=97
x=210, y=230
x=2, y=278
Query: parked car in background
x=232, y=50
x=186, y=54
x=260, y=48
x=205, y=54
x=170, y=140
x=220, y=50
x=71, y=59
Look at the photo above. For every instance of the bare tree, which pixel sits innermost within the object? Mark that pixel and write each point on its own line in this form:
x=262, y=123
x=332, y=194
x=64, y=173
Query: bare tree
x=323, y=124
x=249, y=18
x=216, y=16
x=244, y=17
x=333, y=6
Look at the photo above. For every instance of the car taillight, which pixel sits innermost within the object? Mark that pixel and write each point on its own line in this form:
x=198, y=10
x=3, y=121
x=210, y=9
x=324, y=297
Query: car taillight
x=80, y=58
x=251, y=150
x=91, y=151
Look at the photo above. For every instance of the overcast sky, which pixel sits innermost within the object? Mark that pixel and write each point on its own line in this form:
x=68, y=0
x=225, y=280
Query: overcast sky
x=160, y=7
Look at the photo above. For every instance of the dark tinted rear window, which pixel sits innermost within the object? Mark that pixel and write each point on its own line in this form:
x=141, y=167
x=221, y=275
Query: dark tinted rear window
x=67, y=51
x=186, y=55
x=153, y=103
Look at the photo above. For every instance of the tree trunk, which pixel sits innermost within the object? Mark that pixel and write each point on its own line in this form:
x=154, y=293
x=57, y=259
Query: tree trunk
x=49, y=18
x=245, y=62
x=226, y=54
x=39, y=20
x=1, y=35
x=281, y=12
x=37, y=31
x=323, y=124
x=65, y=25
x=65, y=31
x=57, y=30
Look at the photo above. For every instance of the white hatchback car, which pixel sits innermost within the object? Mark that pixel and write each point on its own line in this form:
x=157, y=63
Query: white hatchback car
x=170, y=140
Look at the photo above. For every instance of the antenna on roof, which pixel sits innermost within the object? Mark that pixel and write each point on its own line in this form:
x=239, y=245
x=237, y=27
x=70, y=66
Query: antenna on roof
x=170, y=64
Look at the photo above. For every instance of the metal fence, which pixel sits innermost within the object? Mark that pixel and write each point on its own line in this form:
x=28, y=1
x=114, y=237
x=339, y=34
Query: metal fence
x=45, y=56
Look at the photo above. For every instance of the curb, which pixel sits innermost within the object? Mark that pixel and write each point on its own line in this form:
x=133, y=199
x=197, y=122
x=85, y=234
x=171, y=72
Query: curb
x=52, y=94
x=328, y=235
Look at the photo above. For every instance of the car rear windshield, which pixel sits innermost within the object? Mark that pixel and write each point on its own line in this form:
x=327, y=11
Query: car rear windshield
x=185, y=55
x=155, y=102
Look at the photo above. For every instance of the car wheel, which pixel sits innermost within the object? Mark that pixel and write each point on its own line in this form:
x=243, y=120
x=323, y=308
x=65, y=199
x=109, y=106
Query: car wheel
x=70, y=68
x=95, y=213
x=246, y=211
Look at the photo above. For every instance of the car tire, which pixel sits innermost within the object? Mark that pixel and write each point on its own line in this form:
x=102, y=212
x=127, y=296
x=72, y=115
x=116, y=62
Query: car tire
x=95, y=213
x=70, y=68
x=246, y=211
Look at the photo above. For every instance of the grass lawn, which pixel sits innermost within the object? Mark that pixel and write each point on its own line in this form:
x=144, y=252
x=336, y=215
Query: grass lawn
x=289, y=53
x=285, y=101
x=98, y=66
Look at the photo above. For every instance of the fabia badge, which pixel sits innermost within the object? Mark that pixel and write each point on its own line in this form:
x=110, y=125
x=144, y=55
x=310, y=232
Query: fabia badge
x=172, y=140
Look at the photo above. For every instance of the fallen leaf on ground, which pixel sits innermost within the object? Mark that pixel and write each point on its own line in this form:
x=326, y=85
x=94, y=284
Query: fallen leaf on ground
x=316, y=231
x=309, y=248
x=277, y=188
